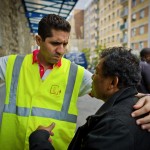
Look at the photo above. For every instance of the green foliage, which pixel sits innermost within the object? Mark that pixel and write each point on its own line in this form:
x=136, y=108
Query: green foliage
x=94, y=61
x=86, y=51
x=98, y=50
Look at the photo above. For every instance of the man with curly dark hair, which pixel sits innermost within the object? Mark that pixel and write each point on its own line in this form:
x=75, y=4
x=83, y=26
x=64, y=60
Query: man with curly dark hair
x=112, y=127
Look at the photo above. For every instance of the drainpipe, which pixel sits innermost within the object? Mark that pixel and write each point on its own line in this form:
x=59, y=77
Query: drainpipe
x=129, y=24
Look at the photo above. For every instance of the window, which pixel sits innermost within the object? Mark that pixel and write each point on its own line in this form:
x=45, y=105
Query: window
x=104, y=31
x=142, y=30
x=113, y=15
x=125, y=38
x=108, y=39
x=133, y=3
x=134, y=17
x=118, y=25
x=113, y=27
x=118, y=12
x=141, y=45
x=133, y=32
x=113, y=4
x=109, y=28
x=118, y=37
x=100, y=32
x=113, y=38
x=132, y=45
x=142, y=14
x=141, y=1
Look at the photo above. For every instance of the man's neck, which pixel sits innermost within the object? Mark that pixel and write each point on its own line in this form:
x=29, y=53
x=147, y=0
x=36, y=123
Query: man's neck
x=43, y=62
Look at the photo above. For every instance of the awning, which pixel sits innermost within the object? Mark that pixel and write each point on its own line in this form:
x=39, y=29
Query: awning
x=37, y=9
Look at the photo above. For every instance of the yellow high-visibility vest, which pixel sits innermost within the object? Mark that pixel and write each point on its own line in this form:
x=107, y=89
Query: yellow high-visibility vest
x=31, y=101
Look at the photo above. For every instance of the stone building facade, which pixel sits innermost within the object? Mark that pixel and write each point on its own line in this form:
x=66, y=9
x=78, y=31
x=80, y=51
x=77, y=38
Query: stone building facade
x=76, y=20
x=15, y=36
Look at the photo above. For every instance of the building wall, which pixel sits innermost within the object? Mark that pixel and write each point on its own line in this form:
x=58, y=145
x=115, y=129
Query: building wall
x=79, y=21
x=109, y=23
x=87, y=30
x=140, y=24
x=76, y=40
x=120, y=23
x=91, y=25
x=15, y=34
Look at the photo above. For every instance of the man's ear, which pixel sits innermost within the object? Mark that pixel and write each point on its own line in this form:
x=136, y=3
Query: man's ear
x=114, y=82
x=38, y=39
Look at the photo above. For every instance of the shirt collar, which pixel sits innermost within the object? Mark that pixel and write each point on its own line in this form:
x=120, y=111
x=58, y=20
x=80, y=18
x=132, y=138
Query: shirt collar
x=35, y=59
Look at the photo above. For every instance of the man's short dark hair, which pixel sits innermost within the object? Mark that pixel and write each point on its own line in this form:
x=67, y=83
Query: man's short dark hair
x=50, y=22
x=120, y=62
x=144, y=52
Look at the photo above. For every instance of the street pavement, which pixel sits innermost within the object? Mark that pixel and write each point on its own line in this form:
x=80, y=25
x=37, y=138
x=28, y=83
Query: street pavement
x=87, y=106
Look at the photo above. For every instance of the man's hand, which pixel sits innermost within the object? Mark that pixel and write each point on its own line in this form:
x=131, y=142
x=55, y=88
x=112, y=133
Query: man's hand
x=49, y=129
x=143, y=107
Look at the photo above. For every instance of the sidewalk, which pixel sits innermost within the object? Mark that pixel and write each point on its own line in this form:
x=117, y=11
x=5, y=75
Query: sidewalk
x=87, y=106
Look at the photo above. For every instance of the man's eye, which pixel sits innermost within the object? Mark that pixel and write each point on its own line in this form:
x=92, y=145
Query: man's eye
x=55, y=43
x=65, y=44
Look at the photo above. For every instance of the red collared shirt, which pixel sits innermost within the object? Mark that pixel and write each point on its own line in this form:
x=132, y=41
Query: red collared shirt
x=41, y=68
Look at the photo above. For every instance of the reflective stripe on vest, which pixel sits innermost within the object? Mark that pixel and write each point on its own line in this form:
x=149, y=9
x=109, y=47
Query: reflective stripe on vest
x=42, y=112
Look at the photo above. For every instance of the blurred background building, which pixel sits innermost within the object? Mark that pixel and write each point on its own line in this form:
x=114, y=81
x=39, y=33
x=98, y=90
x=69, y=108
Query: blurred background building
x=110, y=23
x=76, y=19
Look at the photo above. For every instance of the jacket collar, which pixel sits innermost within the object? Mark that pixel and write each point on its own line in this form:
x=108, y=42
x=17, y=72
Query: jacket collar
x=118, y=96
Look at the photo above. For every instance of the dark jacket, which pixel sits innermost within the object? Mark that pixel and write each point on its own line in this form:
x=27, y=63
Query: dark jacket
x=38, y=140
x=112, y=127
x=144, y=86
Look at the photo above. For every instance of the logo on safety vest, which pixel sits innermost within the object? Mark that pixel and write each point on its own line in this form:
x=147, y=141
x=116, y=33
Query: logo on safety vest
x=55, y=89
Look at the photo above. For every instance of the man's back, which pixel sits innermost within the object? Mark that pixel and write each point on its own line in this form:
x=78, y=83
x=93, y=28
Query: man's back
x=113, y=128
x=144, y=86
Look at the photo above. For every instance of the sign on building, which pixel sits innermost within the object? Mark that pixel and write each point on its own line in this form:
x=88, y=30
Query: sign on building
x=77, y=57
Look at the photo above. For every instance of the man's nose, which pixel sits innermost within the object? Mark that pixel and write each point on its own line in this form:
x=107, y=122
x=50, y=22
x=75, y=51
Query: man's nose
x=60, y=49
